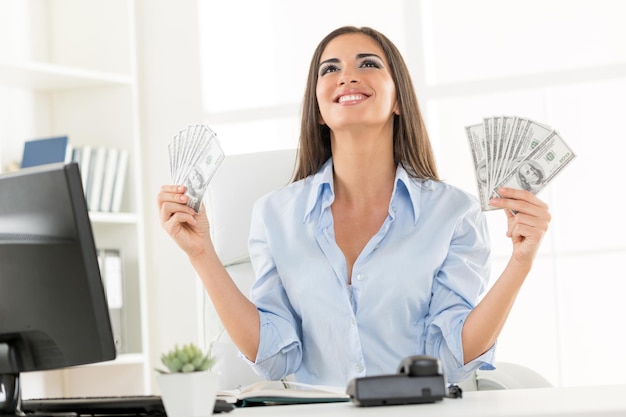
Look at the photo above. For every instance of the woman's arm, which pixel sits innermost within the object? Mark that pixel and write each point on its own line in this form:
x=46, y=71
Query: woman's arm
x=190, y=230
x=526, y=229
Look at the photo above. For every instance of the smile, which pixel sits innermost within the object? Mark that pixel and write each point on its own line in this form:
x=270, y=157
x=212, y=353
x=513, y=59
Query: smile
x=351, y=97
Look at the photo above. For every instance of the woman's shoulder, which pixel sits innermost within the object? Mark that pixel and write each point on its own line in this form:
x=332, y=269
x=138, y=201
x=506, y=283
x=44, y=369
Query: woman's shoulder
x=440, y=192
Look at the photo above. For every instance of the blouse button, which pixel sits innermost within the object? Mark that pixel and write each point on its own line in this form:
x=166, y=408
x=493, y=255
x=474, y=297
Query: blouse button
x=360, y=277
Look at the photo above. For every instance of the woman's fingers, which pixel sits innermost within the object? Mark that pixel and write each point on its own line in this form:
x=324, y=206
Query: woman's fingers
x=172, y=193
x=527, y=218
x=172, y=214
x=173, y=209
x=519, y=201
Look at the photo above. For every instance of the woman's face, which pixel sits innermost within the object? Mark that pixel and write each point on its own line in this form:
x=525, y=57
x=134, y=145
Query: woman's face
x=354, y=86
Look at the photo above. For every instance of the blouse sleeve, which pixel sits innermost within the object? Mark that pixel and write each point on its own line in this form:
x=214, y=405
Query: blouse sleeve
x=280, y=348
x=456, y=289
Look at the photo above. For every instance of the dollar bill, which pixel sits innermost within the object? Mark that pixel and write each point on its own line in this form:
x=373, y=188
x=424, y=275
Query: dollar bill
x=195, y=155
x=476, y=137
x=507, y=149
x=540, y=166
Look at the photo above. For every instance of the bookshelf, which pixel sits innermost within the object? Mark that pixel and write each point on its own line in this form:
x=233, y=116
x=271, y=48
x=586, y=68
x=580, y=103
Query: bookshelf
x=67, y=67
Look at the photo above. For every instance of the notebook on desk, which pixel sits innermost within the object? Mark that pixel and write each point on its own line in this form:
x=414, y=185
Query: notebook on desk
x=150, y=405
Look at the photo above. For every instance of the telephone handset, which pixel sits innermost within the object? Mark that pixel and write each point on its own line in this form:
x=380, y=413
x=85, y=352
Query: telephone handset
x=420, y=365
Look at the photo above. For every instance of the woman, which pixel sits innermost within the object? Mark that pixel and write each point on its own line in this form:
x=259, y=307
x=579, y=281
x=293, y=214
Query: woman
x=366, y=257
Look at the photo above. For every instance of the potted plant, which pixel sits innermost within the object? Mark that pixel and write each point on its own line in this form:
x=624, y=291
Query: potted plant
x=188, y=387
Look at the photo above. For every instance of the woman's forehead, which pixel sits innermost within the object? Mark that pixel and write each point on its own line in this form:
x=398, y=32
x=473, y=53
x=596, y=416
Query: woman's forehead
x=351, y=44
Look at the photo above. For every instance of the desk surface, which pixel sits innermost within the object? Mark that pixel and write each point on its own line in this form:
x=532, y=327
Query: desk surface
x=595, y=401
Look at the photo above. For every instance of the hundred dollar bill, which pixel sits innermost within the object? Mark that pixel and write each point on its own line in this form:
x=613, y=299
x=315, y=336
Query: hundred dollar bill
x=201, y=173
x=504, y=143
x=476, y=138
x=488, y=123
x=540, y=166
x=195, y=155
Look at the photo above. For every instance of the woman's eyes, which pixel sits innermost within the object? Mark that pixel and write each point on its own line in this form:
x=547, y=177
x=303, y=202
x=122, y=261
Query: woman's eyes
x=371, y=63
x=366, y=63
x=328, y=68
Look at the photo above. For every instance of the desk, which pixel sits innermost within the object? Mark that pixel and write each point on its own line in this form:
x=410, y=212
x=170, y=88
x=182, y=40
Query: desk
x=596, y=401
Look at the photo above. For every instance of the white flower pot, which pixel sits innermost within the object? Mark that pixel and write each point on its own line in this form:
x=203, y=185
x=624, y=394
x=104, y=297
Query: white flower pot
x=188, y=394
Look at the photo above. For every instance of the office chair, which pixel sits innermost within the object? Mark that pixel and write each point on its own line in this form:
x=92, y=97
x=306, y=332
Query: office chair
x=507, y=375
x=239, y=182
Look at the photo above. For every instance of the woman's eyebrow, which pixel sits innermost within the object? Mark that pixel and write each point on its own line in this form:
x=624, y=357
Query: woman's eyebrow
x=328, y=61
x=367, y=55
x=359, y=56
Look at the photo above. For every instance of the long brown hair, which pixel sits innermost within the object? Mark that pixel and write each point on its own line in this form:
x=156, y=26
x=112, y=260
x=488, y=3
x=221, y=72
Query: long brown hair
x=412, y=148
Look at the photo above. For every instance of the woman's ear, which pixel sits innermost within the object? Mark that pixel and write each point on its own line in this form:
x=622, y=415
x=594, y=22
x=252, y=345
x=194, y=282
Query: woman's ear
x=396, y=109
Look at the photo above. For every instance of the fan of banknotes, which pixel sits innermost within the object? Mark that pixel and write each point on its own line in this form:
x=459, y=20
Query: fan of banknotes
x=195, y=155
x=515, y=152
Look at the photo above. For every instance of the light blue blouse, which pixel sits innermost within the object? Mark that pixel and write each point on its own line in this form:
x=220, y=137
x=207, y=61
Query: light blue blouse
x=413, y=285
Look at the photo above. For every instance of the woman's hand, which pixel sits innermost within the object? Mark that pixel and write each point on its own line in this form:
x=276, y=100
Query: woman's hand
x=190, y=230
x=528, y=218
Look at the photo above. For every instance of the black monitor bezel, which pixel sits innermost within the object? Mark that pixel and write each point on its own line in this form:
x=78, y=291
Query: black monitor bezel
x=19, y=199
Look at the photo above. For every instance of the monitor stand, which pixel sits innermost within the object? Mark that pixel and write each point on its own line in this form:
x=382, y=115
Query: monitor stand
x=10, y=399
x=9, y=394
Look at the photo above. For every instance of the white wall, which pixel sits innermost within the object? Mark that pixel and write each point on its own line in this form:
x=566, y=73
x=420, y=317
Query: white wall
x=560, y=62
x=170, y=99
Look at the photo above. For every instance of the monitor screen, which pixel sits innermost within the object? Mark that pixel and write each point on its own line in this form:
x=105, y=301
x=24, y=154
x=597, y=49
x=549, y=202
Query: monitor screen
x=53, y=310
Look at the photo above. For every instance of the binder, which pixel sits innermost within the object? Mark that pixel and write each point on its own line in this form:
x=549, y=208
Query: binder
x=46, y=151
x=85, y=167
x=97, y=177
x=108, y=180
x=111, y=270
x=120, y=181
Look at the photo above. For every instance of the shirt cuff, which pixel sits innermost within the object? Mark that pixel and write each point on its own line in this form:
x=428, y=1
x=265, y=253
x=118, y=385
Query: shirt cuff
x=450, y=353
x=278, y=353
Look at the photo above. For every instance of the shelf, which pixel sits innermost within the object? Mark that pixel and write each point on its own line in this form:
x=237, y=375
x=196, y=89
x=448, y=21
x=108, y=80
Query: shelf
x=50, y=77
x=112, y=218
x=68, y=67
x=122, y=359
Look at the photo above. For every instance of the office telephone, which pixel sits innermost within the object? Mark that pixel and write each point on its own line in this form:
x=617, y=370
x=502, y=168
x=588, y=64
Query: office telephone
x=419, y=380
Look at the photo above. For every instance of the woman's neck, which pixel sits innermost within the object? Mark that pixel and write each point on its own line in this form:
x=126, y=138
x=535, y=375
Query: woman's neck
x=364, y=167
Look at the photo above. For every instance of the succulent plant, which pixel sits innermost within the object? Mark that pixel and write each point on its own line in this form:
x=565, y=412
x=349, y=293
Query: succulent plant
x=188, y=358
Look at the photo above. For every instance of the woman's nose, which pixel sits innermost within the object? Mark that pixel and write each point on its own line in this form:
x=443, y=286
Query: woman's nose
x=348, y=77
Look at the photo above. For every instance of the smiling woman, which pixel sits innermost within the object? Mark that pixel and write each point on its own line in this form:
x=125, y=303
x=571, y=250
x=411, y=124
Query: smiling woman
x=376, y=237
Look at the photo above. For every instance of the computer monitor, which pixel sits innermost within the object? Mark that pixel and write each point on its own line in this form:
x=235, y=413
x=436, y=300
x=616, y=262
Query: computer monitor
x=53, y=310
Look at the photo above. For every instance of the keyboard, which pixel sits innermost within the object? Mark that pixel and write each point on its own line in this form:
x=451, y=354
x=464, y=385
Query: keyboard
x=132, y=405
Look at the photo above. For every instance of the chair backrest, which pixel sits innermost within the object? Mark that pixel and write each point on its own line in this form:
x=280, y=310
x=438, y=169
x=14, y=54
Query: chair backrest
x=238, y=183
